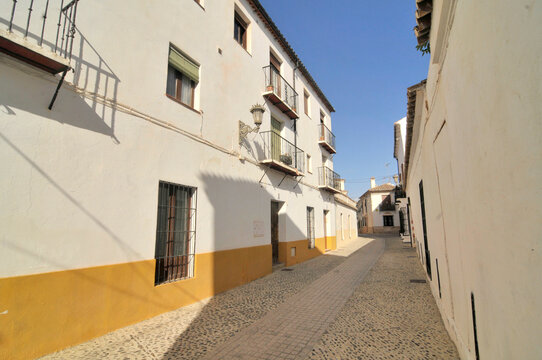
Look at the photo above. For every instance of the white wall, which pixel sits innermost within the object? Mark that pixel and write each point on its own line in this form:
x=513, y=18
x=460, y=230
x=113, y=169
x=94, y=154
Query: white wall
x=478, y=153
x=81, y=187
x=376, y=200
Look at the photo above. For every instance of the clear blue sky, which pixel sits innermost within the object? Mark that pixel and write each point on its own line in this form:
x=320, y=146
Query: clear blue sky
x=363, y=56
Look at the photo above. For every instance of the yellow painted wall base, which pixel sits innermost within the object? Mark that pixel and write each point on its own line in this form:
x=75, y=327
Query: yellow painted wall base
x=51, y=311
x=302, y=251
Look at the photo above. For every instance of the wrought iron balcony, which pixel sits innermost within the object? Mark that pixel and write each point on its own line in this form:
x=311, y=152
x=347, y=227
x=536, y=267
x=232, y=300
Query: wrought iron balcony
x=386, y=206
x=281, y=154
x=29, y=37
x=329, y=179
x=399, y=193
x=326, y=139
x=279, y=92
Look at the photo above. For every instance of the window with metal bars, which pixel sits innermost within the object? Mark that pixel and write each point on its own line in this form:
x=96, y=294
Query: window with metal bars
x=175, y=233
x=310, y=226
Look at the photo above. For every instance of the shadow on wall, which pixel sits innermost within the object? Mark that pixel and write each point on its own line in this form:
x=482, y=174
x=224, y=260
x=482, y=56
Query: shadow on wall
x=241, y=216
x=91, y=73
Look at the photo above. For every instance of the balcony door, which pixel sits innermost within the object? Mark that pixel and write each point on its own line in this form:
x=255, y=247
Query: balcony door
x=274, y=63
x=276, y=127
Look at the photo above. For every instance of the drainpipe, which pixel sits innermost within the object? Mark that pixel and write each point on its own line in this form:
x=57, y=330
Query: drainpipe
x=295, y=120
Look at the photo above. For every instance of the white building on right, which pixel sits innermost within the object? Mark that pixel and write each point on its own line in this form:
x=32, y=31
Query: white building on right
x=473, y=159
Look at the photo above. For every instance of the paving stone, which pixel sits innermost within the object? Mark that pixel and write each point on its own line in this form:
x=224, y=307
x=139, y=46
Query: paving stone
x=331, y=307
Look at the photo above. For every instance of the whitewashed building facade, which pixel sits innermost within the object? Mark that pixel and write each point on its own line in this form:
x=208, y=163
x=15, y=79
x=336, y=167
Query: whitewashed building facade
x=135, y=179
x=472, y=166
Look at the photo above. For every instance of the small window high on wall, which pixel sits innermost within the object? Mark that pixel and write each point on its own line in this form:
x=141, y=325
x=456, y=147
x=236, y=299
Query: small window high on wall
x=240, y=30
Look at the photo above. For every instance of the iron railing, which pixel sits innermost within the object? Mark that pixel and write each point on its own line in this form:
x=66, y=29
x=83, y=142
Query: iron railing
x=329, y=178
x=399, y=193
x=58, y=37
x=386, y=206
x=279, y=149
x=326, y=135
x=280, y=87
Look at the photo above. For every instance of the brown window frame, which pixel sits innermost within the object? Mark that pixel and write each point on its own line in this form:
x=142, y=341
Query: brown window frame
x=179, y=86
x=239, y=23
x=170, y=267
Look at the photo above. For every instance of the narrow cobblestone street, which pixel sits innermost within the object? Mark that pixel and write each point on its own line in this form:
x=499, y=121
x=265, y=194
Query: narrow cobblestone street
x=336, y=306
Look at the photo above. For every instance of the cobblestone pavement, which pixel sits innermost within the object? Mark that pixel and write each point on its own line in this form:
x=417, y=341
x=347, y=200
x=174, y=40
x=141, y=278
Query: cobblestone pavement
x=190, y=332
x=388, y=317
x=299, y=314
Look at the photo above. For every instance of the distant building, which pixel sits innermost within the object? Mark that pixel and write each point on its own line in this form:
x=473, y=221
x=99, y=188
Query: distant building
x=473, y=159
x=376, y=210
x=399, y=130
x=345, y=216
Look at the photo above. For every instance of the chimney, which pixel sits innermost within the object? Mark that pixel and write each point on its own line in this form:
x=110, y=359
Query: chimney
x=373, y=184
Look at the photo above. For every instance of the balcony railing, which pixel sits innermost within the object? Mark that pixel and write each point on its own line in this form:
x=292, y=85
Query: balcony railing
x=329, y=179
x=385, y=206
x=326, y=139
x=399, y=193
x=282, y=154
x=29, y=32
x=279, y=92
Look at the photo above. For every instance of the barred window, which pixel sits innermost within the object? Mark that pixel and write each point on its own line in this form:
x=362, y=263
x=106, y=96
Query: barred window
x=175, y=233
x=310, y=226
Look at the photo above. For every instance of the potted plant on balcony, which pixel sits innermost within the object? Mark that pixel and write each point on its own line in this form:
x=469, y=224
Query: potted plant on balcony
x=269, y=87
x=286, y=158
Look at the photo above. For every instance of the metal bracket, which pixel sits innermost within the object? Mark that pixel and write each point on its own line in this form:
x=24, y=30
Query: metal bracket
x=265, y=172
x=244, y=130
x=298, y=181
x=284, y=177
x=58, y=88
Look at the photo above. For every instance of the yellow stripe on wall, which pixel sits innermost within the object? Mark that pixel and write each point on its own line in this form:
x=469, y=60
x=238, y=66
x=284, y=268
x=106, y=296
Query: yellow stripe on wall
x=48, y=312
x=51, y=311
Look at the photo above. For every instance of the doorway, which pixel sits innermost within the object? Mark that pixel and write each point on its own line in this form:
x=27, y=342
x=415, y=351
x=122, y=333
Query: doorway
x=275, y=208
x=326, y=226
x=276, y=146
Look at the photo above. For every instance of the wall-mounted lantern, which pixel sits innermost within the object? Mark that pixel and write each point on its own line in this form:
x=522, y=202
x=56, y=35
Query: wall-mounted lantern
x=257, y=115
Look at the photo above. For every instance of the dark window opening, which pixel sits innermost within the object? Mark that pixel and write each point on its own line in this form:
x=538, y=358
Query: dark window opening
x=240, y=30
x=175, y=233
x=388, y=220
x=424, y=226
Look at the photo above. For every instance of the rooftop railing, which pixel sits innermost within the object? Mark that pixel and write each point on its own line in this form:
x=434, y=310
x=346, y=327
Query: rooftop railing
x=329, y=178
x=327, y=138
x=281, y=151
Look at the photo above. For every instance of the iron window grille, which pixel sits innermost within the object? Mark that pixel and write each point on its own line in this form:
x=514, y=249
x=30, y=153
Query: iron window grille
x=175, y=233
x=310, y=227
x=388, y=220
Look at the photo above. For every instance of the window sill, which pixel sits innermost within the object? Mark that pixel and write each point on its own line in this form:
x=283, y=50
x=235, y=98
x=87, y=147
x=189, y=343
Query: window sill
x=201, y=6
x=183, y=104
x=242, y=47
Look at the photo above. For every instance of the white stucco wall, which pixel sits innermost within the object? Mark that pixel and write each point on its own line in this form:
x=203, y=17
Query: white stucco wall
x=376, y=200
x=478, y=153
x=81, y=185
